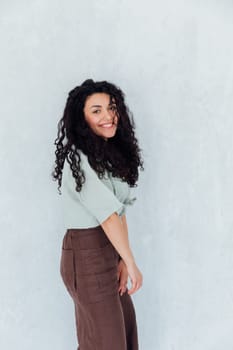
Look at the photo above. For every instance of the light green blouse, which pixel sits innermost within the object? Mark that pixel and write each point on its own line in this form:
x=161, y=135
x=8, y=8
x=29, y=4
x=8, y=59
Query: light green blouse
x=98, y=199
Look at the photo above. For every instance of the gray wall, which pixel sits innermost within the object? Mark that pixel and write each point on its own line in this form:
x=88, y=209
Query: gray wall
x=173, y=60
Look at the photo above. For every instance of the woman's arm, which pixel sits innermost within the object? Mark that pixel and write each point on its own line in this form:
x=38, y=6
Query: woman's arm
x=122, y=268
x=117, y=232
x=124, y=223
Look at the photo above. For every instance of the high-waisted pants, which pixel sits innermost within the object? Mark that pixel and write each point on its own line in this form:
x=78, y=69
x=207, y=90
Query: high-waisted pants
x=105, y=320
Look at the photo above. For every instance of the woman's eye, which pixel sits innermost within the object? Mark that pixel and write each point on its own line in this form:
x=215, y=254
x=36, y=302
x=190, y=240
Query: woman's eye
x=96, y=111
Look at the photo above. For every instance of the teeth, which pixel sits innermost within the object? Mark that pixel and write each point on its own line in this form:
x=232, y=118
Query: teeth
x=106, y=125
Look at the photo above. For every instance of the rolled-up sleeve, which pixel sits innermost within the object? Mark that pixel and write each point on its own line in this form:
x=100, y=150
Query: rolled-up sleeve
x=95, y=196
x=128, y=201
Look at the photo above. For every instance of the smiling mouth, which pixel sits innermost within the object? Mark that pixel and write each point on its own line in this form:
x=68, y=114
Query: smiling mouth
x=107, y=125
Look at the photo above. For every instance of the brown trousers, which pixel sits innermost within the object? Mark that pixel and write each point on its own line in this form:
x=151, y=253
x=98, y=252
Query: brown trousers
x=104, y=319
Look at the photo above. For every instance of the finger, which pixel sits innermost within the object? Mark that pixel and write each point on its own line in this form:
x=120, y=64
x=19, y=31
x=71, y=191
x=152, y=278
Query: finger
x=118, y=275
x=122, y=285
x=122, y=290
x=138, y=285
x=133, y=287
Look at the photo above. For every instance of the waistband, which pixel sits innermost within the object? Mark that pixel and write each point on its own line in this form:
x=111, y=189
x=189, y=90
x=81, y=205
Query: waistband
x=84, y=238
x=84, y=231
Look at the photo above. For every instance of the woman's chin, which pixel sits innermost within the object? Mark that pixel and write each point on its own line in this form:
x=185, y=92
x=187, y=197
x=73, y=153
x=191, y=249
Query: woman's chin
x=109, y=134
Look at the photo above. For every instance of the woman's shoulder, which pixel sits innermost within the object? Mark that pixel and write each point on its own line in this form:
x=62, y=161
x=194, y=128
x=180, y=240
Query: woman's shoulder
x=84, y=165
x=81, y=155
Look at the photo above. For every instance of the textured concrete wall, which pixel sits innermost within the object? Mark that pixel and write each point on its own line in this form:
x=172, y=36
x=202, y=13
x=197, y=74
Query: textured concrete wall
x=174, y=60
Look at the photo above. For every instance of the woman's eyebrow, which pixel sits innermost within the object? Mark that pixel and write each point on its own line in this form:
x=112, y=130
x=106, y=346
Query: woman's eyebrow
x=96, y=106
x=110, y=104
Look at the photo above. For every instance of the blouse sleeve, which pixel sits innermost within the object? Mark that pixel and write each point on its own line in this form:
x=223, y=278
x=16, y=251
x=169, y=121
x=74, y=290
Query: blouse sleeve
x=95, y=196
x=128, y=201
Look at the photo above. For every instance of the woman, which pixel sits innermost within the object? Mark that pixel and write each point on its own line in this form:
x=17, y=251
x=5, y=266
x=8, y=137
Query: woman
x=97, y=161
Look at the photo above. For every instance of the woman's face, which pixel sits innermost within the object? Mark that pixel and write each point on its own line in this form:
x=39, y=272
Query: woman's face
x=101, y=115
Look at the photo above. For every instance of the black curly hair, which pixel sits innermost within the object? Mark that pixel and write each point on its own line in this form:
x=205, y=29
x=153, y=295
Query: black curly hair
x=120, y=155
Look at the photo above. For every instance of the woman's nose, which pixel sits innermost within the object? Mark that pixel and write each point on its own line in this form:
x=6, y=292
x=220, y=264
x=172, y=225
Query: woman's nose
x=108, y=115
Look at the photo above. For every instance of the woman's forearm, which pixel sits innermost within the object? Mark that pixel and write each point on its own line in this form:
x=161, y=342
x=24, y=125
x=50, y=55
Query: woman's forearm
x=124, y=223
x=117, y=232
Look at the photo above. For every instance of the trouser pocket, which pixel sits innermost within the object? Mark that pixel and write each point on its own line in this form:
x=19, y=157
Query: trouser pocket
x=67, y=270
x=96, y=270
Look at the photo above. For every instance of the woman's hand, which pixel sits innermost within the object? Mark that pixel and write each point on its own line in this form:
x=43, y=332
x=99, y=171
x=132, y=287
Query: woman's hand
x=122, y=276
x=117, y=232
x=135, y=277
